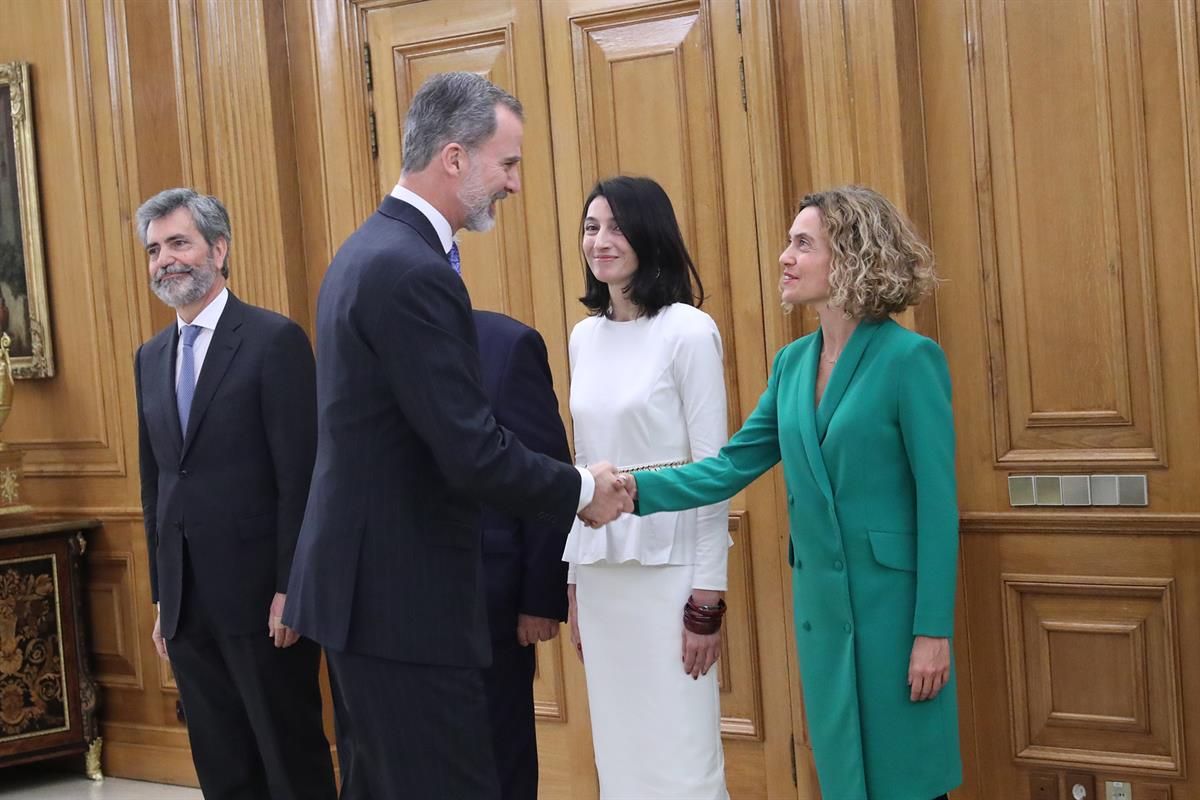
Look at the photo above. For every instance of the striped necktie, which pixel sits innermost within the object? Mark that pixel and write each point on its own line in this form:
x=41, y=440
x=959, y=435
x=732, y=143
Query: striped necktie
x=187, y=374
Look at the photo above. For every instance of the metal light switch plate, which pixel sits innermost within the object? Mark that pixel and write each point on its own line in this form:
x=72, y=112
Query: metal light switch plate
x=1020, y=490
x=1104, y=490
x=1076, y=490
x=1131, y=490
x=1048, y=490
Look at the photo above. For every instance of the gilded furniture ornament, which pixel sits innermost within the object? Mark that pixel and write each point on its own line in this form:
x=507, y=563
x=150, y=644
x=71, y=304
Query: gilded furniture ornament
x=10, y=459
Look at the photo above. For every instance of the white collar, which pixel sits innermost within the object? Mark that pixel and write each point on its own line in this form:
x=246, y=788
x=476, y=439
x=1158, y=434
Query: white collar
x=210, y=315
x=440, y=224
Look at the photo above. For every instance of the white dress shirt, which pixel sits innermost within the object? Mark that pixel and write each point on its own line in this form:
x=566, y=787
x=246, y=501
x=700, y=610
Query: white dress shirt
x=651, y=391
x=207, y=321
x=587, y=485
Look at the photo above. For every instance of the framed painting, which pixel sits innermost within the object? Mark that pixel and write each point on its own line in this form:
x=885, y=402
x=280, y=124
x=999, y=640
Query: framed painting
x=24, y=306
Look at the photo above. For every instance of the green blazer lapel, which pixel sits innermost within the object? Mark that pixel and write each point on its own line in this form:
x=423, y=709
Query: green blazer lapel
x=843, y=371
x=808, y=429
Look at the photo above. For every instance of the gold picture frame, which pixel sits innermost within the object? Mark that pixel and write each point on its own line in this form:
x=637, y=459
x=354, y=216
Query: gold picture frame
x=24, y=303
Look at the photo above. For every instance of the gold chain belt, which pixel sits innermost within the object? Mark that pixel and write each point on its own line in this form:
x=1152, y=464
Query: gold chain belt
x=653, y=467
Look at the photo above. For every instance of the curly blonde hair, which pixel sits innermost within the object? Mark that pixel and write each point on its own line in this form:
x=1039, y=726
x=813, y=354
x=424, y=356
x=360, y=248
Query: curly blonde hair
x=879, y=264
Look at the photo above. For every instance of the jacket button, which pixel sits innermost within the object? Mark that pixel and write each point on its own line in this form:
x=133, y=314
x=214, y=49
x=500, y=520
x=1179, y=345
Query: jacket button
x=838, y=566
x=847, y=627
x=183, y=473
x=179, y=525
x=807, y=626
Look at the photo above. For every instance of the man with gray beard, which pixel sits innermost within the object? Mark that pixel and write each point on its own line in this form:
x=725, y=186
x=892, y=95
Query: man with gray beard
x=227, y=436
x=388, y=573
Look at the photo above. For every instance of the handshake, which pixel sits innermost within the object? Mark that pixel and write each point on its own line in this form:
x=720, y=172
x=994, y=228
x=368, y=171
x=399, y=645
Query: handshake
x=615, y=493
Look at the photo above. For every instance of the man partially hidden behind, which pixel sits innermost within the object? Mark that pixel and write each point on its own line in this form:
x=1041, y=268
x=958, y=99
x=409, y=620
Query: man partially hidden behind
x=388, y=573
x=522, y=561
x=227, y=433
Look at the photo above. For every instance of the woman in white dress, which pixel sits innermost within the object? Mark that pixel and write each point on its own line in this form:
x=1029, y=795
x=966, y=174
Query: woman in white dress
x=648, y=389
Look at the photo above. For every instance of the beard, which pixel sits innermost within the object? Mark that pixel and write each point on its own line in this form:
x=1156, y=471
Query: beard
x=477, y=203
x=179, y=292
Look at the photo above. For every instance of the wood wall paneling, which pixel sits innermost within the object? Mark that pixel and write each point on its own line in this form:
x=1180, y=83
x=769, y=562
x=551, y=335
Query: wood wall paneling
x=1120, y=633
x=1081, y=204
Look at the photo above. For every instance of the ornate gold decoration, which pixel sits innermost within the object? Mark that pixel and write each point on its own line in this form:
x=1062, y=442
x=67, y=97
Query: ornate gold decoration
x=91, y=759
x=25, y=288
x=10, y=460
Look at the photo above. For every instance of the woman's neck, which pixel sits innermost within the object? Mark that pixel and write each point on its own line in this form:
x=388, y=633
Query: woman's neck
x=836, y=330
x=622, y=308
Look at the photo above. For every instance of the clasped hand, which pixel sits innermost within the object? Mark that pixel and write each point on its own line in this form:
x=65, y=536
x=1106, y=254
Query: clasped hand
x=612, y=498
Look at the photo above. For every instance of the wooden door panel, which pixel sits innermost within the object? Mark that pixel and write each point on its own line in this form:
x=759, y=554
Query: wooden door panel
x=1066, y=234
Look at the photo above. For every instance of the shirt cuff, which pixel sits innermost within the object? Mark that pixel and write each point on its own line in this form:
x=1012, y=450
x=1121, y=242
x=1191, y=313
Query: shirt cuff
x=587, y=488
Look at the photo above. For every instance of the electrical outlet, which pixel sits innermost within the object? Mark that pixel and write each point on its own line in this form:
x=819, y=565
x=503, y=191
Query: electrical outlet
x=1043, y=786
x=1118, y=790
x=1081, y=786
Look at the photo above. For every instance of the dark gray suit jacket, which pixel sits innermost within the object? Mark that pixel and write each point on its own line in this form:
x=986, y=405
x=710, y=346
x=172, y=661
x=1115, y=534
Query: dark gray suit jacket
x=388, y=561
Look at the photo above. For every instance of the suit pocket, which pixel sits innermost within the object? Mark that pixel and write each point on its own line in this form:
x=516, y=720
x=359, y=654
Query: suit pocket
x=453, y=527
x=258, y=526
x=500, y=540
x=894, y=550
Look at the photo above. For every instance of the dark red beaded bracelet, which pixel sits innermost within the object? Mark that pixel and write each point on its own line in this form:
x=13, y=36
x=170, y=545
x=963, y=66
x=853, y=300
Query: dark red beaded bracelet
x=703, y=620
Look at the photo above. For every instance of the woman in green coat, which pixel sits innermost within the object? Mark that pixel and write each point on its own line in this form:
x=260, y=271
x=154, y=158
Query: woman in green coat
x=859, y=413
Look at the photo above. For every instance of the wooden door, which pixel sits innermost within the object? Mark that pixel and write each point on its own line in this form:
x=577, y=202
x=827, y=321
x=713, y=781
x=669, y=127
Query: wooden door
x=1063, y=149
x=633, y=87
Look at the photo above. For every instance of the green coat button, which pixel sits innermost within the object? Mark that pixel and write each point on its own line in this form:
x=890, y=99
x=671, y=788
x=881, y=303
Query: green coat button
x=838, y=565
x=846, y=627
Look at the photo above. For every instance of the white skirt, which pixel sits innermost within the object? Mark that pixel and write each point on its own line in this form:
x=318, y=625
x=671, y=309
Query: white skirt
x=656, y=732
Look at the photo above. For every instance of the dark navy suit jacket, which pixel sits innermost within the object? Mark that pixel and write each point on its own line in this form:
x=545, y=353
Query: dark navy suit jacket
x=522, y=561
x=388, y=563
x=235, y=483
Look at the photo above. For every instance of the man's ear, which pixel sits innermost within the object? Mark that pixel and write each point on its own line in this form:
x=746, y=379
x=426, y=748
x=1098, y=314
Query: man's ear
x=220, y=249
x=453, y=158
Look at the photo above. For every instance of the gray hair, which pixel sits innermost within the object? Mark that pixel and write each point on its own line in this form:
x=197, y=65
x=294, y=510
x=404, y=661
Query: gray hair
x=452, y=107
x=211, y=218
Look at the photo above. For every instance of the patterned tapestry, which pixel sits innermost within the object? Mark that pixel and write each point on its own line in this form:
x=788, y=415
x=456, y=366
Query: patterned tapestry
x=32, y=684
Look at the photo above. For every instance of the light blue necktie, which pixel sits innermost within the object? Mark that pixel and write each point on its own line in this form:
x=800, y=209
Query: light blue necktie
x=455, y=264
x=187, y=374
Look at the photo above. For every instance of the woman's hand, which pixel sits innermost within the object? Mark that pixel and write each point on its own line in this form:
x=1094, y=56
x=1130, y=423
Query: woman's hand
x=928, y=667
x=573, y=621
x=701, y=651
x=630, y=482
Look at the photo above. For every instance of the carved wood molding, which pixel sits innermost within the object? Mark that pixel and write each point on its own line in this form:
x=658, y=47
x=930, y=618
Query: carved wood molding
x=1123, y=630
x=1111, y=522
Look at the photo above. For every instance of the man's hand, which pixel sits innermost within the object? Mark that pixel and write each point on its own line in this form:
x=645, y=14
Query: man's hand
x=573, y=621
x=610, y=500
x=531, y=629
x=928, y=667
x=160, y=644
x=282, y=634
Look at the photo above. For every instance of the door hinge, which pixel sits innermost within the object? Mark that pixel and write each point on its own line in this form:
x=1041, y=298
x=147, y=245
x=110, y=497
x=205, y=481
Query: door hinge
x=742, y=75
x=792, y=750
x=371, y=128
x=737, y=15
x=367, y=65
